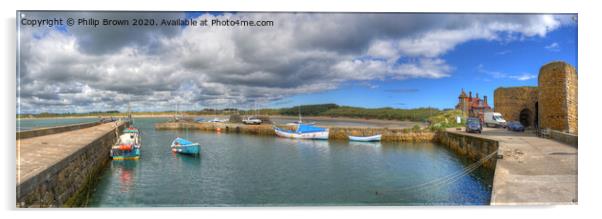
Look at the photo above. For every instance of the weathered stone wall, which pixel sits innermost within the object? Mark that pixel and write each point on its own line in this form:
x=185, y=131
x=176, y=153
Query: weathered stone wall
x=53, y=130
x=511, y=101
x=335, y=133
x=558, y=97
x=68, y=182
x=471, y=147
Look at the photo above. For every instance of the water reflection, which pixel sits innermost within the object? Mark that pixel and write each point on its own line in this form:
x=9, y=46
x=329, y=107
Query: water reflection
x=125, y=169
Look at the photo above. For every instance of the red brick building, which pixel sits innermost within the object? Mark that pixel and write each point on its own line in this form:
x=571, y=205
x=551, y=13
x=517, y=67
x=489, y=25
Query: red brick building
x=472, y=106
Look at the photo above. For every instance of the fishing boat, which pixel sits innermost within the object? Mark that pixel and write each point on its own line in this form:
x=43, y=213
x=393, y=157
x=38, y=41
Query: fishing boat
x=127, y=146
x=303, y=131
x=183, y=146
x=365, y=138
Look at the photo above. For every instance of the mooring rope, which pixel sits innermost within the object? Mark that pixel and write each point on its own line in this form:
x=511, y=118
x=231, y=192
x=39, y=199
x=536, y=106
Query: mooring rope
x=447, y=179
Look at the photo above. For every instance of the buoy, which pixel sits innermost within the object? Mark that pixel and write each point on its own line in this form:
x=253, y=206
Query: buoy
x=219, y=129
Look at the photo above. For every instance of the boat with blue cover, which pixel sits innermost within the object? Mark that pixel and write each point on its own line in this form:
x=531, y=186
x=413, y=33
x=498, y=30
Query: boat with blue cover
x=303, y=131
x=183, y=146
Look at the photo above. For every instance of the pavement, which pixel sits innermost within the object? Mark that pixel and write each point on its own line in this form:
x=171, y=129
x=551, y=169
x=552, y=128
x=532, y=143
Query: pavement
x=533, y=170
x=35, y=155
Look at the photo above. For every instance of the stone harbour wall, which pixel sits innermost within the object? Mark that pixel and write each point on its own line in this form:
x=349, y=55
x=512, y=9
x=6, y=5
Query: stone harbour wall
x=53, y=130
x=473, y=148
x=335, y=133
x=68, y=182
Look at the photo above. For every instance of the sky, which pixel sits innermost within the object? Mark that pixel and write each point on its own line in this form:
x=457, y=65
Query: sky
x=398, y=60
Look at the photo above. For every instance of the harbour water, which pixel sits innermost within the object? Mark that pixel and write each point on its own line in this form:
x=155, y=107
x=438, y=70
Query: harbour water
x=248, y=170
x=243, y=170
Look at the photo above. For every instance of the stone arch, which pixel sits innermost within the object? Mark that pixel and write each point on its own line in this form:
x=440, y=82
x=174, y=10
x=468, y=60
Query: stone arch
x=536, y=120
x=525, y=117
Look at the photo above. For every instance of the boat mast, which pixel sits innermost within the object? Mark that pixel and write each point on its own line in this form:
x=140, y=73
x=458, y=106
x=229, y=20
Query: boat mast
x=130, y=121
x=300, y=121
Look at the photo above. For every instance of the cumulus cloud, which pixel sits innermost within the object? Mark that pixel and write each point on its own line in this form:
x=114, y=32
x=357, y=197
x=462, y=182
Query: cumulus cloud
x=82, y=68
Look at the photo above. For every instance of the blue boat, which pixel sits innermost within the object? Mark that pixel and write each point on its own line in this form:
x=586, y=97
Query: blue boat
x=183, y=146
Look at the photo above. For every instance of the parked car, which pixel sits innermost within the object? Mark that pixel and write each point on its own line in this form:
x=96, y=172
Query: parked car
x=493, y=119
x=515, y=126
x=252, y=121
x=473, y=125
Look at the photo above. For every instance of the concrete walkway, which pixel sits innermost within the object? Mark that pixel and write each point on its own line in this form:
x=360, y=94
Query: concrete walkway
x=533, y=171
x=37, y=154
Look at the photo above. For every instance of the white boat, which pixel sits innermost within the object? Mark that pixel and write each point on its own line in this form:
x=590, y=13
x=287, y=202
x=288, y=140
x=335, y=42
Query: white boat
x=303, y=131
x=366, y=138
x=218, y=120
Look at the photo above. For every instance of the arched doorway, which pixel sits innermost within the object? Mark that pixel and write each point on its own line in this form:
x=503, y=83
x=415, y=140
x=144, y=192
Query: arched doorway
x=525, y=117
x=536, y=120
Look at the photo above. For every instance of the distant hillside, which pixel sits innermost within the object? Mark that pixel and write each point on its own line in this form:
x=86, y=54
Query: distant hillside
x=387, y=113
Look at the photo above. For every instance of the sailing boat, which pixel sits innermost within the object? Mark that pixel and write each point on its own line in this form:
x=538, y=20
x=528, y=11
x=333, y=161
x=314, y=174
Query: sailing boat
x=303, y=131
x=300, y=121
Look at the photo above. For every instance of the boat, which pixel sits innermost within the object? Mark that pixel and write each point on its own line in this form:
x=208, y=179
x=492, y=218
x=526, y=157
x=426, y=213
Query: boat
x=365, y=138
x=303, y=131
x=127, y=146
x=218, y=120
x=183, y=146
x=299, y=122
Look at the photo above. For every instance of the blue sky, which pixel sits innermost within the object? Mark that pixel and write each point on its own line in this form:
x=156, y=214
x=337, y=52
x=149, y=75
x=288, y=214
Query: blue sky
x=479, y=66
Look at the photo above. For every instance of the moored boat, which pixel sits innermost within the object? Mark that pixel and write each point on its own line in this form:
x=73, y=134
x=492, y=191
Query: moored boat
x=127, y=146
x=365, y=138
x=303, y=131
x=183, y=146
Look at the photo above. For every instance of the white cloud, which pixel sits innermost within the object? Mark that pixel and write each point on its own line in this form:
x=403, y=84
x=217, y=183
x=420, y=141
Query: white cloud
x=234, y=66
x=554, y=47
x=502, y=75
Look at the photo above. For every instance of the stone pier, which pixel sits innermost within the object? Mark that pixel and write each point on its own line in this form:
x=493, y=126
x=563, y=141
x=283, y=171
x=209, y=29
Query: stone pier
x=56, y=170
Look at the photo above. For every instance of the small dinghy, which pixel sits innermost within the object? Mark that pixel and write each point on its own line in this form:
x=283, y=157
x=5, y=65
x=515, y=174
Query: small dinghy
x=183, y=146
x=366, y=138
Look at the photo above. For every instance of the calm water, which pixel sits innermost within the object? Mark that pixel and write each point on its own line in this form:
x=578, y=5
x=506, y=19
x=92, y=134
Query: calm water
x=251, y=170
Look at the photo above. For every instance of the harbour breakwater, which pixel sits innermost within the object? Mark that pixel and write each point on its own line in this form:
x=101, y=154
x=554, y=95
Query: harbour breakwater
x=60, y=168
x=335, y=133
x=474, y=148
x=53, y=130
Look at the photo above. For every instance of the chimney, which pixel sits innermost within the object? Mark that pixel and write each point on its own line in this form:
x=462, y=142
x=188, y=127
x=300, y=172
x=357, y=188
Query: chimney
x=470, y=94
x=485, y=99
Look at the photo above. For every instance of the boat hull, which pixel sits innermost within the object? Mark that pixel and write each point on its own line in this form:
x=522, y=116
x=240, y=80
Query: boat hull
x=193, y=149
x=183, y=146
x=134, y=154
x=311, y=135
x=365, y=139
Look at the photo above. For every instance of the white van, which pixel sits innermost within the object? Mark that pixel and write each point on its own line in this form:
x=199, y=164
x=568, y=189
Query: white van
x=493, y=119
